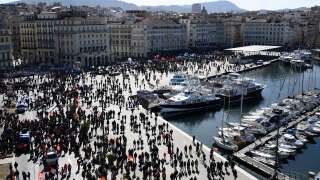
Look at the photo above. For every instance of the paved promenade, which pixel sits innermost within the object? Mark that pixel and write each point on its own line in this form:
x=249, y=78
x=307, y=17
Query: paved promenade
x=152, y=133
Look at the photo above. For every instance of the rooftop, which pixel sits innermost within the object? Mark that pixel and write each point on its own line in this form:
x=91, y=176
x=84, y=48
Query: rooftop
x=253, y=48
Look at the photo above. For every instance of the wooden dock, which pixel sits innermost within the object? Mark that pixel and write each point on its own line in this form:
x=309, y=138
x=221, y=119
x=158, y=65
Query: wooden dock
x=265, y=169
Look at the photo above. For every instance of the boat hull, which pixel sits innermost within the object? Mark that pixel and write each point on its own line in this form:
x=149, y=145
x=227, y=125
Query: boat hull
x=171, y=109
x=249, y=96
x=220, y=144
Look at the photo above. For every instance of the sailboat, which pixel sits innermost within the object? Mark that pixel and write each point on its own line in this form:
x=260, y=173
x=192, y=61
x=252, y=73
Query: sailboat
x=225, y=144
x=222, y=141
x=238, y=134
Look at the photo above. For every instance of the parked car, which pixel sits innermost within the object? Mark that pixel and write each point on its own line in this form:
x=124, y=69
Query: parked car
x=23, y=142
x=51, y=159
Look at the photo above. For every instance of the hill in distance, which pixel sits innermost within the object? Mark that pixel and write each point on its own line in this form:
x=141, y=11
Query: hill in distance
x=214, y=6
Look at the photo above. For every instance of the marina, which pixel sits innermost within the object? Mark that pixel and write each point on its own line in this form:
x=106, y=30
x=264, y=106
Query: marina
x=280, y=90
x=233, y=114
x=241, y=155
x=160, y=90
x=226, y=82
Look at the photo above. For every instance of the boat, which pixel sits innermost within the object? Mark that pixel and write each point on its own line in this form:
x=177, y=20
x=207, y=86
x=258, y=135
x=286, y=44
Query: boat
x=314, y=129
x=256, y=130
x=179, y=81
x=287, y=146
x=257, y=153
x=281, y=153
x=266, y=161
x=286, y=59
x=305, y=55
x=272, y=145
x=225, y=144
x=237, y=134
x=189, y=101
x=240, y=87
x=290, y=139
x=299, y=64
x=302, y=138
x=308, y=129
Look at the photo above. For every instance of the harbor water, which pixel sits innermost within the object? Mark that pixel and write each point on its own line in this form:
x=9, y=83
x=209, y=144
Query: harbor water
x=281, y=81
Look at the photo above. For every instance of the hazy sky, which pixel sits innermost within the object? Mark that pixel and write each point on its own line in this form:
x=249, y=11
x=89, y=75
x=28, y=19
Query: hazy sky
x=245, y=4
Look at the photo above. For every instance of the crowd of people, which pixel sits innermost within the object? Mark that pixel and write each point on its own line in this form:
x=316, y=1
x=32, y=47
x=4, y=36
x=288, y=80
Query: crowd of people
x=97, y=122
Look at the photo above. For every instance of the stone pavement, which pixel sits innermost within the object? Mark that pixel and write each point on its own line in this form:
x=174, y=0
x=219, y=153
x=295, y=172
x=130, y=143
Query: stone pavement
x=180, y=139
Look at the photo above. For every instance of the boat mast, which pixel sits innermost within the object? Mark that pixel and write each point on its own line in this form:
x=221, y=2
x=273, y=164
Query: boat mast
x=241, y=105
x=224, y=103
x=302, y=79
x=276, y=165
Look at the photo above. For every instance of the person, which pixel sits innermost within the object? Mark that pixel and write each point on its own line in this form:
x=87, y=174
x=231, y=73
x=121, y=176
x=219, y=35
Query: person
x=15, y=165
x=69, y=168
x=193, y=139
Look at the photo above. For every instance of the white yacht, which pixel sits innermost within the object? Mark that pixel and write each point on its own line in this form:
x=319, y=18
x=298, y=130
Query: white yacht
x=179, y=81
x=291, y=140
x=189, y=101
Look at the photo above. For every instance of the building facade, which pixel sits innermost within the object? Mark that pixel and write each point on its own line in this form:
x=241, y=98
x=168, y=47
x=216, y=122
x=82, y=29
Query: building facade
x=121, y=40
x=268, y=33
x=203, y=33
x=153, y=36
x=65, y=38
x=83, y=40
x=6, y=48
x=233, y=34
x=37, y=39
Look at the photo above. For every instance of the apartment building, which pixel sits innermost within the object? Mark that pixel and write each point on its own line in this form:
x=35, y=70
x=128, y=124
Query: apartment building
x=203, y=33
x=121, y=33
x=37, y=38
x=233, y=33
x=66, y=37
x=85, y=40
x=268, y=32
x=152, y=35
x=6, y=47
